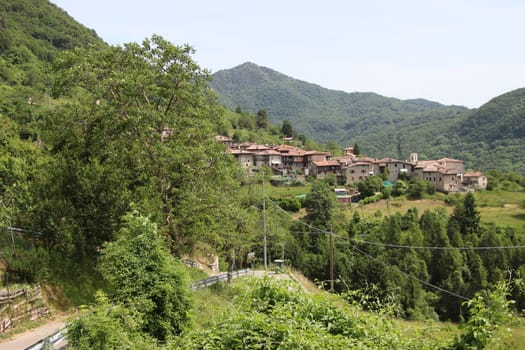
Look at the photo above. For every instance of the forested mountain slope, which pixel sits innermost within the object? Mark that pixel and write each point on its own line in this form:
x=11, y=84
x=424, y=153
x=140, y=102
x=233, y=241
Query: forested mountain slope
x=322, y=113
x=490, y=137
x=31, y=34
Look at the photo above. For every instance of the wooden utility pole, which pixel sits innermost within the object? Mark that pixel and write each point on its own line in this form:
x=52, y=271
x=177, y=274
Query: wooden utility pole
x=264, y=227
x=331, y=260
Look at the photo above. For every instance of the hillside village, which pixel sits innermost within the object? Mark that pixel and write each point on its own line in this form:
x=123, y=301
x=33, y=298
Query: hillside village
x=447, y=175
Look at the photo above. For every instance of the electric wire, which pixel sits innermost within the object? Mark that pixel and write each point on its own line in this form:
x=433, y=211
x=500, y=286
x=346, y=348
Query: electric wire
x=430, y=285
x=387, y=245
x=409, y=276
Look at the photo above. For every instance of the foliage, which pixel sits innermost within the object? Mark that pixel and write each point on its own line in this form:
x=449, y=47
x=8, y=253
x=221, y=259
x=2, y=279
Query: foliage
x=384, y=127
x=400, y=188
x=320, y=204
x=356, y=149
x=505, y=181
x=371, y=199
x=262, y=119
x=289, y=204
x=418, y=187
x=487, y=316
x=277, y=315
x=108, y=326
x=287, y=129
x=334, y=149
x=140, y=119
x=370, y=186
x=143, y=276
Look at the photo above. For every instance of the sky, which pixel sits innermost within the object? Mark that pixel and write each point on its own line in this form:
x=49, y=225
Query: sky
x=460, y=52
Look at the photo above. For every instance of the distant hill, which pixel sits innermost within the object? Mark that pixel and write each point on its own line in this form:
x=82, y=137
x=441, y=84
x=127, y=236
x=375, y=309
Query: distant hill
x=321, y=113
x=32, y=32
x=490, y=137
x=42, y=27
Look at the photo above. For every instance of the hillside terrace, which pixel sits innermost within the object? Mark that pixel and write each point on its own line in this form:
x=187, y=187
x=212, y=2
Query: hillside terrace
x=448, y=175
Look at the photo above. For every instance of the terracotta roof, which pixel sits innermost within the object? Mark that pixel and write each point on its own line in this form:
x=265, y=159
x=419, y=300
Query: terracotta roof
x=294, y=153
x=268, y=151
x=424, y=163
x=327, y=163
x=359, y=163
x=344, y=159
x=442, y=160
x=284, y=148
x=365, y=159
x=256, y=147
x=239, y=151
x=389, y=160
x=473, y=174
x=309, y=153
x=440, y=169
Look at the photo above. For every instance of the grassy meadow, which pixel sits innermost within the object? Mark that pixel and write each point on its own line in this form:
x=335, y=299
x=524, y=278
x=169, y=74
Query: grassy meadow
x=501, y=207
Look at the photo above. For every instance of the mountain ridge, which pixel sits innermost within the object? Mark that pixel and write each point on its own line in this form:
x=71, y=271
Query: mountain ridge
x=383, y=126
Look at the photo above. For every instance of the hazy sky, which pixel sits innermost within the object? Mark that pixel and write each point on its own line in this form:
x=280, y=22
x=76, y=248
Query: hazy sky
x=451, y=51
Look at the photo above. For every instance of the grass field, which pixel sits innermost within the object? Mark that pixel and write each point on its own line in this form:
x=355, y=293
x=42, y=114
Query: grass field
x=502, y=208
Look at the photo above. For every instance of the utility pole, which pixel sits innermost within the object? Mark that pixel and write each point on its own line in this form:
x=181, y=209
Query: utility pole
x=331, y=260
x=264, y=226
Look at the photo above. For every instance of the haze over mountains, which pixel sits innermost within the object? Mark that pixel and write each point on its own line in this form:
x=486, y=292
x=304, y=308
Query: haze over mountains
x=490, y=137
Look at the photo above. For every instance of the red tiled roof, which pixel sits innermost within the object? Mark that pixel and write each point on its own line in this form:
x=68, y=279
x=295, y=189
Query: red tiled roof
x=256, y=147
x=268, y=151
x=389, y=160
x=310, y=153
x=358, y=163
x=365, y=159
x=239, y=151
x=326, y=163
x=474, y=174
x=442, y=160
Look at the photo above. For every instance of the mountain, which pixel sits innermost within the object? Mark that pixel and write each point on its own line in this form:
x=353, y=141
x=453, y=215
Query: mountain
x=321, y=113
x=32, y=32
x=490, y=137
x=41, y=27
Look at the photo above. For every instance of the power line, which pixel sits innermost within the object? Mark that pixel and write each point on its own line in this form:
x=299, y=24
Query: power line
x=435, y=248
x=382, y=262
x=387, y=245
x=409, y=276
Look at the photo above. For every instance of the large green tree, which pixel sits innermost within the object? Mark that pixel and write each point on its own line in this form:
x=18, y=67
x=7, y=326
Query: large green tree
x=137, y=125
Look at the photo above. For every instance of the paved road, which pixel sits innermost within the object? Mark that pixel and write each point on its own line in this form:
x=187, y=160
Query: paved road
x=23, y=340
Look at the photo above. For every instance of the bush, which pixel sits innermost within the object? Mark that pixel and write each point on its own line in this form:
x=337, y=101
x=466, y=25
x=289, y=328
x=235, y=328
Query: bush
x=144, y=276
x=290, y=204
x=371, y=199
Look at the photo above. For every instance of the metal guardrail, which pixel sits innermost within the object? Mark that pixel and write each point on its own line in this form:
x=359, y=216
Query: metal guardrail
x=53, y=339
x=217, y=278
x=60, y=335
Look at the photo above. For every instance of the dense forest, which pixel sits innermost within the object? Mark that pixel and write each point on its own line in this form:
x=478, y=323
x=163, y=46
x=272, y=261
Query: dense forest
x=487, y=138
x=110, y=175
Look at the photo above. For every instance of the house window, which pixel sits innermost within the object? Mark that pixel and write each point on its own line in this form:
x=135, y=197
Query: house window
x=352, y=171
x=362, y=171
x=395, y=165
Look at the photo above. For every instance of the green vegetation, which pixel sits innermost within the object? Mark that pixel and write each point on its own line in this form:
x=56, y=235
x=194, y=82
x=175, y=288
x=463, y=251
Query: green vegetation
x=381, y=126
x=278, y=315
x=110, y=174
